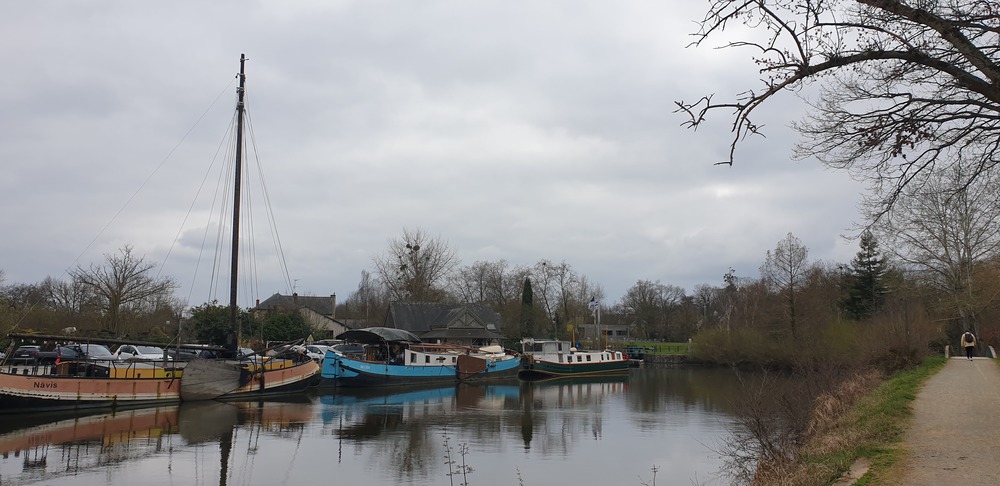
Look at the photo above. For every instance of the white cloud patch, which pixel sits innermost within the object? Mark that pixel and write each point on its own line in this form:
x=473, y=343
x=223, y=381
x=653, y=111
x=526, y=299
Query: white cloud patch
x=514, y=130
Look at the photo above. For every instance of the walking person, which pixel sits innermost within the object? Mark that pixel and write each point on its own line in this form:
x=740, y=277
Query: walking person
x=969, y=343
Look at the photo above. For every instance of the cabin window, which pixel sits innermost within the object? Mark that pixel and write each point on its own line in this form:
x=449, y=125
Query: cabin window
x=579, y=359
x=560, y=346
x=588, y=357
x=413, y=357
x=427, y=359
x=454, y=359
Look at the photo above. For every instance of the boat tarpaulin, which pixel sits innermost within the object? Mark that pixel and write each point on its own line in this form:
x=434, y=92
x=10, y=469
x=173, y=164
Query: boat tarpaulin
x=375, y=335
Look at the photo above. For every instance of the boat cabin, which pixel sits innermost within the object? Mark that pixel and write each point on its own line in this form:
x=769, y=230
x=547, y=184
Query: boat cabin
x=564, y=352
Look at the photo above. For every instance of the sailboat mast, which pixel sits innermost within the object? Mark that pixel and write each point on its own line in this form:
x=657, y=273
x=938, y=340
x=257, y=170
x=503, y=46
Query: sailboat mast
x=233, y=314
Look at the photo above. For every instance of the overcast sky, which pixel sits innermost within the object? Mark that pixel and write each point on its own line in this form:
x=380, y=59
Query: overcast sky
x=513, y=130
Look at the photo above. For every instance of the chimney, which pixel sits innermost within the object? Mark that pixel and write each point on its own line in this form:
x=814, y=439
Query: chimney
x=333, y=306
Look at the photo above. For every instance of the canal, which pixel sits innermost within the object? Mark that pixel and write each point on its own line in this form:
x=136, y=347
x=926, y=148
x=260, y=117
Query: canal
x=579, y=431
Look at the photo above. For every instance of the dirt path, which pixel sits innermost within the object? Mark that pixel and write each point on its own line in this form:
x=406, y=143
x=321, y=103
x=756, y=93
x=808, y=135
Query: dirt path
x=956, y=421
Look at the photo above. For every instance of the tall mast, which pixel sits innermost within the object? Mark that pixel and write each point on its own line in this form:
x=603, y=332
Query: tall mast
x=233, y=314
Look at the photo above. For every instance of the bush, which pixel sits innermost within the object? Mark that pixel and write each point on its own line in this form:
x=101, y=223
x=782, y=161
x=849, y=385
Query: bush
x=741, y=348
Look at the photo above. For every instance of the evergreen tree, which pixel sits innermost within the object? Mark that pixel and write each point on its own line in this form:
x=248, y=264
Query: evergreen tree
x=865, y=283
x=285, y=326
x=527, y=310
x=209, y=323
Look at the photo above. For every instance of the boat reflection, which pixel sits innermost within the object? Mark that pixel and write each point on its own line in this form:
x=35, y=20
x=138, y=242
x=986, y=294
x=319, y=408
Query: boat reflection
x=400, y=433
x=524, y=408
x=51, y=446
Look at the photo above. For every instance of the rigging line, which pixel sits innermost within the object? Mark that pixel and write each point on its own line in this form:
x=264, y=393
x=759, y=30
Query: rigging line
x=155, y=170
x=221, y=190
x=253, y=445
x=66, y=270
x=221, y=242
x=295, y=452
x=208, y=225
x=194, y=201
x=249, y=244
x=250, y=281
x=220, y=186
x=269, y=210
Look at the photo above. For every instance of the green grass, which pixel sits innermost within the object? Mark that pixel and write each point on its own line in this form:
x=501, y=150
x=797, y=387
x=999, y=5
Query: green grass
x=876, y=423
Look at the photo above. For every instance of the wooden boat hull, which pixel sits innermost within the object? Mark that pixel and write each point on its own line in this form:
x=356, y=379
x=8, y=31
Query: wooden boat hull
x=220, y=380
x=21, y=393
x=342, y=371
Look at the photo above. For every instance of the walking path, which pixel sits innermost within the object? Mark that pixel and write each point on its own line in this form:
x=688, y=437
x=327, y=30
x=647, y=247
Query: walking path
x=953, y=434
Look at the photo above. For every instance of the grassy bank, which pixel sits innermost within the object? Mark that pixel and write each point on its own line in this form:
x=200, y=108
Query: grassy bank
x=871, y=427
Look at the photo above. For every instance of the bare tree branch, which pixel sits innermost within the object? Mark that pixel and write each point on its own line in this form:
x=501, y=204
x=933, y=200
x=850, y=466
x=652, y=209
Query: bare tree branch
x=907, y=87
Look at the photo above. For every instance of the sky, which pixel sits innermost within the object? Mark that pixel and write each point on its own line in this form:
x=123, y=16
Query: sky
x=511, y=130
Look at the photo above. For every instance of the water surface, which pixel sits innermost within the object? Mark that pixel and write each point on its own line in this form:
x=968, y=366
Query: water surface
x=579, y=431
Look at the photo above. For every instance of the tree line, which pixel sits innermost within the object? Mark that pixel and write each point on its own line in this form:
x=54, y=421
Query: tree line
x=933, y=259
x=908, y=101
x=122, y=298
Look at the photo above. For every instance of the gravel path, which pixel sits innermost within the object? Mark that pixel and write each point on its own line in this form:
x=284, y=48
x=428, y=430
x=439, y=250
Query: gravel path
x=953, y=434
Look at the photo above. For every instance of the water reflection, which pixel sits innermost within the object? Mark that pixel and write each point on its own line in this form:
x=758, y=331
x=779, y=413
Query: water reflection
x=559, y=430
x=51, y=446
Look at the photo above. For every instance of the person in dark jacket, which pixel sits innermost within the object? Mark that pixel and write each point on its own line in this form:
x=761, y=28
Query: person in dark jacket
x=969, y=343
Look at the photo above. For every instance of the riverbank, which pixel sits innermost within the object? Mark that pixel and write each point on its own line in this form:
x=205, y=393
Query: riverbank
x=862, y=421
x=869, y=429
x=909, y=429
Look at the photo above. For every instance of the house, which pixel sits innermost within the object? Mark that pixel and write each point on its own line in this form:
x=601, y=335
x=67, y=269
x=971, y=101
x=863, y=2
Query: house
x=318, y=312
x=602, y=333
x=468, y=324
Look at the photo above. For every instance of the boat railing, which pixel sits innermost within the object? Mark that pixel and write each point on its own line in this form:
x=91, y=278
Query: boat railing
x=441, y=348
x=96, y=368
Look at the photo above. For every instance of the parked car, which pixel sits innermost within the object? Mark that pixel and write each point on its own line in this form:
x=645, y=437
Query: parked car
x=193, y=351
x=133, y=352
x=316, y=352
x=75, y=352
x=68, y=352
x=27, y=354
x=182, y=354
x=97, y=352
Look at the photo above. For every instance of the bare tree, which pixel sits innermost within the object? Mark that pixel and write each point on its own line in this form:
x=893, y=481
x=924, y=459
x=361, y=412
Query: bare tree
x=908, y=86
x=947, y=230
x=472, y=283
x=554, y=286
x=123, y=284
x=580, y=295
x=415, y=266
x=495, y=284
x=784, y=269
x=70, y=298
x=368, y=301
x=708, y=301
x=650, y=304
